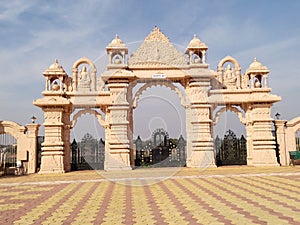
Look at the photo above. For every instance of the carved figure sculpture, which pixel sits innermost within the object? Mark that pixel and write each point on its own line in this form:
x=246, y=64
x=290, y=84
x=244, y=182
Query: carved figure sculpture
x=84, y=79
x=229, y=77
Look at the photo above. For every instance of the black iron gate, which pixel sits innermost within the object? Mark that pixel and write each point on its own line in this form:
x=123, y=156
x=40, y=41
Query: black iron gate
x=231, y=150
x=160, y=151
x=88, y=154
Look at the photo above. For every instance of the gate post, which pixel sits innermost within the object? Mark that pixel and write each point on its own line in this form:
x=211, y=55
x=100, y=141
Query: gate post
x=200, y=147
x=56, y=146
x=280, y=135
x=118, y=141
x=32, y=146
x=263, y=147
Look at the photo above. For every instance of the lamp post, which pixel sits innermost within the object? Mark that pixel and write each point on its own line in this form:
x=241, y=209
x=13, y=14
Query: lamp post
x=33, y=119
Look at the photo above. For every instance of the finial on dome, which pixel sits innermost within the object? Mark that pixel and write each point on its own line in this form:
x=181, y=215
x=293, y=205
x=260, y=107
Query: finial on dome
x=195, y=43
x=55, y=68
x=55, y=65
x=117, y=43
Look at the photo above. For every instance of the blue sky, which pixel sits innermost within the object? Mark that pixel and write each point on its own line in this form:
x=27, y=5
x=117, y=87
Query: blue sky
x=34, y=33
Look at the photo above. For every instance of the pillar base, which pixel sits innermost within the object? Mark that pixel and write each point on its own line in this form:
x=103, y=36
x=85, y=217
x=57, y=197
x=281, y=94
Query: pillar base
x=264, y=158
x=117, y=161
x=201, y=159
x=52, y=162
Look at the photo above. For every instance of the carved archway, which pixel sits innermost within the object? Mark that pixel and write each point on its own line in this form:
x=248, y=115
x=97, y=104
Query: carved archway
x=229, y=59
x=237, y=71
x=165, y=83
x=80, y=61
x=235, y=110
x=88, y=111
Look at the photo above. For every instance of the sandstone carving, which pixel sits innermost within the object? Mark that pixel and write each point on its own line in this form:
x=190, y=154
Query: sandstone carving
x=156, y=62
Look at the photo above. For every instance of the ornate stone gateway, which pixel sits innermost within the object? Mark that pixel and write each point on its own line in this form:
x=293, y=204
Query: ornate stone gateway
x=111, y=99
x=160, y=151
x=231, y=150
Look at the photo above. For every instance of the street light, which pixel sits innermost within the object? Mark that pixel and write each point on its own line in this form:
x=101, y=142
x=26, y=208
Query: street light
x=277, y=115
x=33, y=119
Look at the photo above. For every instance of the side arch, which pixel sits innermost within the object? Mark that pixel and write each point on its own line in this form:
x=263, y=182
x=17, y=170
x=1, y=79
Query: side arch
x=232, y=109
x=82, y=61
x=294, y=123
x=229, y=59
x=12, y=128
x=159, y=83
x=237, y=67
x=292, y=127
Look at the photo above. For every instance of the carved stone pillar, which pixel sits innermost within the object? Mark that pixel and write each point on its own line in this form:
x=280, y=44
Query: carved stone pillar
x=263, y=142
x=119, y=144
x=280, y=135
x=66, y=138
x=199, y=122
x=249, y=132
x=56, y=145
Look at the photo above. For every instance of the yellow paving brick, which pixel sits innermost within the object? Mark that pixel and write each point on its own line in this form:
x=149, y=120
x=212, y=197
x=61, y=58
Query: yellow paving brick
x=11, y=206
x=26, y=196
x=62, y=212
x=116, y=206
x=223, y=209
x=252, y=197
x=276, y=195
x=141, y=209
x=163, y=202
x=39, y=210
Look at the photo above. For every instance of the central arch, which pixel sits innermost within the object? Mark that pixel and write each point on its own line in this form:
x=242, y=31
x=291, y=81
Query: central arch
x=230, y=145
x=166, y=83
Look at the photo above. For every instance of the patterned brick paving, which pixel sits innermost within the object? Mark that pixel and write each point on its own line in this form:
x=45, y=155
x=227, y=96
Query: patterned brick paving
x=188, y=197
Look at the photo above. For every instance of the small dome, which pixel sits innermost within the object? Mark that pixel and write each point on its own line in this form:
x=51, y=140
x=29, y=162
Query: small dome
x=55, y=65
x=116, y=43
x=195, y=43
x=55, y=68
x=257, y=67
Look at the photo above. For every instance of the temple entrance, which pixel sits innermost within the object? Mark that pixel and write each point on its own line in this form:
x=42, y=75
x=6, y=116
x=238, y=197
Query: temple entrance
x=160, y=151
x=87, y=152
x=231, y=150
x=164, y=113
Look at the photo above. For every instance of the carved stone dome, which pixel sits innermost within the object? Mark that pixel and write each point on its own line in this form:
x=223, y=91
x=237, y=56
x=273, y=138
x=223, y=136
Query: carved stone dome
x=257, y=67
x=116, y=43
x=195, y=43
x=55, y=65
x=55, y=68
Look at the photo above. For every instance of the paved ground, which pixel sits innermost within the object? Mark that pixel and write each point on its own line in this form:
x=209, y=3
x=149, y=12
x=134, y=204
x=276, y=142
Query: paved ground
x=225, y=195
